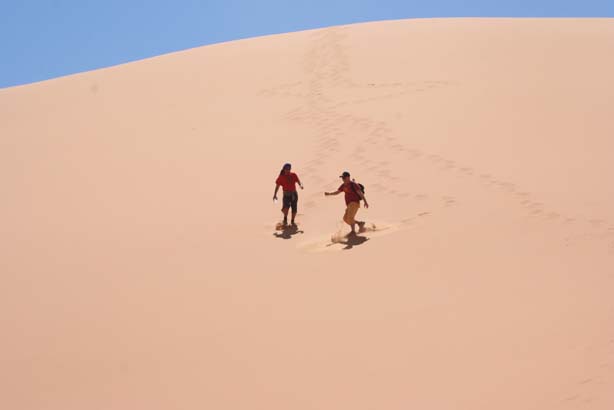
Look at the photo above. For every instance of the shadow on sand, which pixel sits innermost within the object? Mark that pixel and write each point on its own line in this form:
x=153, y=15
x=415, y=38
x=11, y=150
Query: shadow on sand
x=287, y=232
x=351, y=240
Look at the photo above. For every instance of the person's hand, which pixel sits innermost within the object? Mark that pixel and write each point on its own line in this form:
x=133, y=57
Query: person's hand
x=302, y=187
x=274, y=198
x=366, y=204
x=326, y=194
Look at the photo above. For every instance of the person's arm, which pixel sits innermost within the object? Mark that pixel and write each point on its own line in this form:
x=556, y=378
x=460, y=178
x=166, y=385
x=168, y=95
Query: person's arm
x=337, y=192
x=363, y=197
x=299, y=182
x=275, y=194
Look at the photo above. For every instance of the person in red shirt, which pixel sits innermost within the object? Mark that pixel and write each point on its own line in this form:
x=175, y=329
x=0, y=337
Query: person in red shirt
x=288, y=180
x=353, y=196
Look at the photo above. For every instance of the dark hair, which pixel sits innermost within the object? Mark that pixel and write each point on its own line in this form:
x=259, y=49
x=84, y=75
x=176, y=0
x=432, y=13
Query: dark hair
x=283, y=168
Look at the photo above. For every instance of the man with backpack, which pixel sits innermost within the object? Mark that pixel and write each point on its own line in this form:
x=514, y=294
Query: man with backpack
x=354, y=193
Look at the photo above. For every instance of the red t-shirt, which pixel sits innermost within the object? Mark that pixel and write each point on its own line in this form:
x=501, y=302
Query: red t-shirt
x=350, y=192
x=288, y=182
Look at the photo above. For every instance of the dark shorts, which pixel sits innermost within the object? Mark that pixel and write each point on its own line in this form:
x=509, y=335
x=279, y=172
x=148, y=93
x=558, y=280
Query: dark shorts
x=290, y=201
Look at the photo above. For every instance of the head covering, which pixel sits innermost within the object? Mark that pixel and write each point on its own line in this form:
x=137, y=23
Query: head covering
x=345, y=174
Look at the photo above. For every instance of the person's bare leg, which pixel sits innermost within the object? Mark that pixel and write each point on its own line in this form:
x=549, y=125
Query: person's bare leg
x=352, y=223
x=285, y=212
x=346, y=219
x=351, y=216
x=294, y=207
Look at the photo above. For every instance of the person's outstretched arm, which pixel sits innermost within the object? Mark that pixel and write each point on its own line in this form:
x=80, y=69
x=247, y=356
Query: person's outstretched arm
x=337, y=192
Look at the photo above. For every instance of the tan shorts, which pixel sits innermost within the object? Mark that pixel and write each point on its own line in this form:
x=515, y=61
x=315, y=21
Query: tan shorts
x=350, y=213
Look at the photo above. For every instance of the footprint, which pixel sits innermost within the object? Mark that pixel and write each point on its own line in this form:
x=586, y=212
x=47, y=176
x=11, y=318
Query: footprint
x=448, y=201
x=596, y=222
x=414, y=153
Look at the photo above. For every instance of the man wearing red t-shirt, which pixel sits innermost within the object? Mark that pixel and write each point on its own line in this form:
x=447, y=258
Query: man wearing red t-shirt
x=353, y=196
x=288, y=180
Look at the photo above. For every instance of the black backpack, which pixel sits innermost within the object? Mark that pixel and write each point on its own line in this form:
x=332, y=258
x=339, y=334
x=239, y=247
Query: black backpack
x=361, y=186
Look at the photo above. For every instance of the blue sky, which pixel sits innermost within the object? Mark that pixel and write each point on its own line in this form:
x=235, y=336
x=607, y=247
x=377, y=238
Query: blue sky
x=49, y=38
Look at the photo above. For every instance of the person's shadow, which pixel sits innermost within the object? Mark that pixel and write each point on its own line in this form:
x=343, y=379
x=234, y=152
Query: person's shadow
x=352, y=240
x=287, y=232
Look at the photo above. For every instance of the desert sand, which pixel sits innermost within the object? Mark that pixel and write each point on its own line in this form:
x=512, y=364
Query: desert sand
x=141, y=268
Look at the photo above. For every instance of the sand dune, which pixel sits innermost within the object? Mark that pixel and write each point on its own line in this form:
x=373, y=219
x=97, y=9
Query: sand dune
x=141, y=268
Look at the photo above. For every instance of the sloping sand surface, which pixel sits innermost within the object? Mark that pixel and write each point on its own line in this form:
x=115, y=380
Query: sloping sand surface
x=141, y=269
